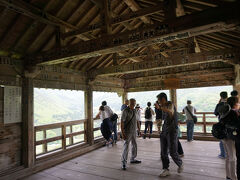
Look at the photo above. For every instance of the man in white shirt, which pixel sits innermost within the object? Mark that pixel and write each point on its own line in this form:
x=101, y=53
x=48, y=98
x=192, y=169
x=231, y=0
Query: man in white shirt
x=138, y=117
x=190, y=123
x=109, y=113
x=107, y=109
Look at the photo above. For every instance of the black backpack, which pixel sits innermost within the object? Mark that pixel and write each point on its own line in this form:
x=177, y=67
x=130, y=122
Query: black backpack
x=148, y=113
x=219, y=130
x=114, y=117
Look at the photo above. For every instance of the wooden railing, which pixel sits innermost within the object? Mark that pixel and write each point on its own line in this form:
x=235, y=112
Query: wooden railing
x=205, y=120
x=66, y=132
x=203, y=126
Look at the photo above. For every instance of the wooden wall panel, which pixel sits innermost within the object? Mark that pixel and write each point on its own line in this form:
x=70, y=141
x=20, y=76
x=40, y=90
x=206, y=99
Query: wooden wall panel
x=10, y=141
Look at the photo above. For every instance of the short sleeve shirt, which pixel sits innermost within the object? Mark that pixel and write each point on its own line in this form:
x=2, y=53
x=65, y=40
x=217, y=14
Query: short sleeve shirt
x=129, y=120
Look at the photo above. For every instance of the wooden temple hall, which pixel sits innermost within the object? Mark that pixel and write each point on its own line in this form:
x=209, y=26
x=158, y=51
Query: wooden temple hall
x=110, y=46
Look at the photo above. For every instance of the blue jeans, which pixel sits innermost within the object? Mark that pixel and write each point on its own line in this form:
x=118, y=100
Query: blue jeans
x=150, y=124
x=222, y=151
x=114, y=128
x=190, y=128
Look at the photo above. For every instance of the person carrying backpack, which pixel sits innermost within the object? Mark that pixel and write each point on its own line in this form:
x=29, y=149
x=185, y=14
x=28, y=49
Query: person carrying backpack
x=230, y=119
x=106, y=125
x=113, y=124
x=148, y=119
x=217, y=112
x=234, y=93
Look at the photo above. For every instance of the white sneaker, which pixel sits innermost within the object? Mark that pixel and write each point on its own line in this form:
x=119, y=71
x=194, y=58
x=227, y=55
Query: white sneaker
x=180, y=169
x=164, y=173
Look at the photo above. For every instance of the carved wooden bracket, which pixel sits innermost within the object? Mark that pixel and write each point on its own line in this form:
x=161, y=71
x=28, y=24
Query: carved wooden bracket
x=31, y=71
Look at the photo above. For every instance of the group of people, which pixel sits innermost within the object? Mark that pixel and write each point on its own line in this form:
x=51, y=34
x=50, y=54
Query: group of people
x=168, y=136
x=169, y=131
x=228, y=113
x=148, y=112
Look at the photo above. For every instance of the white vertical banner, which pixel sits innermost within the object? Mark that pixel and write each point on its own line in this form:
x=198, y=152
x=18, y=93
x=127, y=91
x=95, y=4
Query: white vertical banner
x=12, y=104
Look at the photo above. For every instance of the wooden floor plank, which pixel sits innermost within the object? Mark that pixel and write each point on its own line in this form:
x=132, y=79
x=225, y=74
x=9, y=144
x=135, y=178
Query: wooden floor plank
x=200, y=163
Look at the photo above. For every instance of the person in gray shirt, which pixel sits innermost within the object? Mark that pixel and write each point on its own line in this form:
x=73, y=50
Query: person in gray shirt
x=128, y=127
x=189, y=120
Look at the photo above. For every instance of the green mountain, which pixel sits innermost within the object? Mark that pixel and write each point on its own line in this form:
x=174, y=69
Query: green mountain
x=53, y=106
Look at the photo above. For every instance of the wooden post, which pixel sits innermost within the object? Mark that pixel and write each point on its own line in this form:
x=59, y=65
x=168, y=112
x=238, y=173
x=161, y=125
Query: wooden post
x=45, y=144
x=64, y=137
x=115, y=59
x=204, y=124
x=124, y=97
x=71, y=138
x=173, y=96
x=28, y=123
x=107, y=16
x=236, y=83
x=89, y=115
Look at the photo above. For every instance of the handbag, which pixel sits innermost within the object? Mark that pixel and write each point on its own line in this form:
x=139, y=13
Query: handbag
x=193, y=117
x=232, y=132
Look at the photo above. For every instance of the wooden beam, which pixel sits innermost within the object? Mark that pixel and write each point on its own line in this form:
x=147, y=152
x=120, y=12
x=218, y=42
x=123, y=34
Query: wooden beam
x=115, y=59
x=211, y=3
x=135, y=7
x=189, y=85
x=116, y=20
x=180, y=10
x=186, y=26
x=227, y=55
x=170, y=9
x=184, y=74
x=28, y=134
x=154, y=52
x=175, y=83
x=28, y=10
x=39, y=15
x=140, y=13
x=197, y=47
x=107, y=16
x=178, y=81
x=178, y=70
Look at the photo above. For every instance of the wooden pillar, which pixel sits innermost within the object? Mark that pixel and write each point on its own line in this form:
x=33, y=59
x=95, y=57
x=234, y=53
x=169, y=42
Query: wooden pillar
x=107, y=16
x=236, y=83
x=124, y=97
x=28, y=134
x=89, y=115
x=173, y=96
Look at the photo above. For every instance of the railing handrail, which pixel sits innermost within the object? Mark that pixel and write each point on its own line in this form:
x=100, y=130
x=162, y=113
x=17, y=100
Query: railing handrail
x=58, y=125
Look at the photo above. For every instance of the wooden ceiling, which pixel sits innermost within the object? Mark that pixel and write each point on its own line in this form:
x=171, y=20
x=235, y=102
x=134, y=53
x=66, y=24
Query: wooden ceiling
x=28, y=27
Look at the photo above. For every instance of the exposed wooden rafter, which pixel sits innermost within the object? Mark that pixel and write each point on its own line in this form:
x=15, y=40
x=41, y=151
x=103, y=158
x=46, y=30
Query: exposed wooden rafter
x=227, y=55
x=211, y=20
x=39, y=15
x=135, y=7
x=116, y=20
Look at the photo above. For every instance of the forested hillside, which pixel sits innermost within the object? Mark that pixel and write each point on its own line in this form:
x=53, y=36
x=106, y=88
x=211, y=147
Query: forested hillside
x=52, y=106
